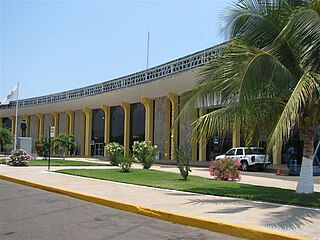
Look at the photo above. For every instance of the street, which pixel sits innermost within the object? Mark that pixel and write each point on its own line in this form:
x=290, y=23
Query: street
x=28, y=213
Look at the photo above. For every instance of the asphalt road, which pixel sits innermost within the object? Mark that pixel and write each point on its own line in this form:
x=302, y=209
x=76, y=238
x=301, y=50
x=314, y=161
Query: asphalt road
x=29, y=213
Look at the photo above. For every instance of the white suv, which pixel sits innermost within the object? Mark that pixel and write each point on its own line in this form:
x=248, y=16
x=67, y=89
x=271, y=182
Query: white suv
x=248, y=157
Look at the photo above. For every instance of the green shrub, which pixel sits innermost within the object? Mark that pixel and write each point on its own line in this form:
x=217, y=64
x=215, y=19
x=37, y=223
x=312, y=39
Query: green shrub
x=115, y=151
x=145, y=153
x=42, y=147
x=125, y=163
x=182, y=162
x=18, y=157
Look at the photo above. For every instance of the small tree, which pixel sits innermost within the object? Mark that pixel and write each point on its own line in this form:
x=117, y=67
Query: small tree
x=182, y=162
x=145, y=153
x=42, y=147
x=64, y=142
x=115, y=151
x=5, y=137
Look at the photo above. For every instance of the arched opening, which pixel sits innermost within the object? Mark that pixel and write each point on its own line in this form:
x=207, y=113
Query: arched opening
x=98, y=132
x=117, y=124
x=137, y=123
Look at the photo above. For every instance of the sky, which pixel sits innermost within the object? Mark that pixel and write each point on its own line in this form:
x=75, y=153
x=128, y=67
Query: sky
x=54, y=46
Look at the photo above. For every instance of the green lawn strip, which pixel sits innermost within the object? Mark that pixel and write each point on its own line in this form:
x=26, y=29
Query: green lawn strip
x=195, y=184
x=60, y=162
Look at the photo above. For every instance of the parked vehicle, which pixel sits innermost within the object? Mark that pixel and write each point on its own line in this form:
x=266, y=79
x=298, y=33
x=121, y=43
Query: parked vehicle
x=248, y=157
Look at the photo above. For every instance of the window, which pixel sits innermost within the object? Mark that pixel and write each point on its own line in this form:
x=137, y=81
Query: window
x=256, y=151
x=230, y=152
x=239, y=151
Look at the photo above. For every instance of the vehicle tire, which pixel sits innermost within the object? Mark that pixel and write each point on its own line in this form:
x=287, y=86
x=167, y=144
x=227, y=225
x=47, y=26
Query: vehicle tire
x=244, y=166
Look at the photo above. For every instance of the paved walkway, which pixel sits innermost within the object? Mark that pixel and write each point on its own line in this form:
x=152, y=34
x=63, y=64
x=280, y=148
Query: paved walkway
x=296, y=221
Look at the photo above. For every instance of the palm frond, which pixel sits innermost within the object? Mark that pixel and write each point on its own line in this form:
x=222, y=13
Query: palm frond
x=255, y=21
x=303, y=32
x=290, y=114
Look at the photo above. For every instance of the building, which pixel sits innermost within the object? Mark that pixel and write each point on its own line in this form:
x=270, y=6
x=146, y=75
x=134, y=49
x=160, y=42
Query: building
x=140, y=106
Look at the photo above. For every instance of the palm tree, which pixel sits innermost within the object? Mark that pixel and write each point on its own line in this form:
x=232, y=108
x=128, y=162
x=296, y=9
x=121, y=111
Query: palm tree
x=266, y=77
x=64, y=142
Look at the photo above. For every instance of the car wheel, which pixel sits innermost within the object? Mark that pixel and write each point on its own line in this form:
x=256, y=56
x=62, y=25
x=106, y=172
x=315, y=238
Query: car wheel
x=244, y=166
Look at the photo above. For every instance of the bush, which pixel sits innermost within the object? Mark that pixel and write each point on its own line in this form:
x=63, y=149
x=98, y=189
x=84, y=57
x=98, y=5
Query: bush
x=182, y=162
x=6, y=137
x=125, y=163
x=225, y=169
x=115, y=151
x=145, y=153
x=18, y=158
x=7, y=148
x=42, y=147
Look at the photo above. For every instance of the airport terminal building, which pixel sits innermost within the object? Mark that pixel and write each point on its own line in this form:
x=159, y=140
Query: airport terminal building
x=137, y=107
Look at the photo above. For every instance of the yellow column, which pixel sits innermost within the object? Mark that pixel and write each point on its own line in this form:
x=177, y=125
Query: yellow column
x=88, y=130
x=148, y=104
x=83, y=133
x=236, y=135
x=70, y=122
x=126, y=108
x=55, y=123
x=40, y=126
x=26, y=117
x=168, y=135
x=13, y=124
x=276, y=153
x=106, y=110
x=203, y=142
x=173, y=98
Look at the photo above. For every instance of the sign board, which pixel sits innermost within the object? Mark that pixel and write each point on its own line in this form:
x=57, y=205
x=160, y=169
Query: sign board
x=216, y=139
x=52, y=131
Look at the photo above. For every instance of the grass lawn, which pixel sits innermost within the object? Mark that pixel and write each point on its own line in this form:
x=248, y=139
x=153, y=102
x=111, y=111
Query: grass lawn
x=202, y=185
x=59, y=162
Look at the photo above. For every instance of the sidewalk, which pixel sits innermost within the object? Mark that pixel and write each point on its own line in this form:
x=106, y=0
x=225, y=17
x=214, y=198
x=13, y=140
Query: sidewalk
x=290, y=220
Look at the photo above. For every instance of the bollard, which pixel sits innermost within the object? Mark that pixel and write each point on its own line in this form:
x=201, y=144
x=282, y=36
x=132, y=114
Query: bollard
x=278, y=171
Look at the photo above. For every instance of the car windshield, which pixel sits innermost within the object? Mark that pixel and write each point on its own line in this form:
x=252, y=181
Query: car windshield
x=255, y=151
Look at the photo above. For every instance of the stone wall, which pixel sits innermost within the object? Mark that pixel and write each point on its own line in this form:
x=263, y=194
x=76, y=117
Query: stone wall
x=160, y=124
x=62, y=122
x=33, y=129
x=47, y=124
x=19, y=132
x=77, y=129
x=184, y=135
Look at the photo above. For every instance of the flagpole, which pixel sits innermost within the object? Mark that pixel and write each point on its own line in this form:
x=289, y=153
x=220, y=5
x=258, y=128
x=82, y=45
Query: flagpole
x=148, y=49
x=16, y=125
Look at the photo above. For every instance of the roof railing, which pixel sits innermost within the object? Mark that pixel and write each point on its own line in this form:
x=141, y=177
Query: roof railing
x=188, y=62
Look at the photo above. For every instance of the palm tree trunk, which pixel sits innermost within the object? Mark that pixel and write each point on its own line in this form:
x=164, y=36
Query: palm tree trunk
x=64, y=154
x=305, y=183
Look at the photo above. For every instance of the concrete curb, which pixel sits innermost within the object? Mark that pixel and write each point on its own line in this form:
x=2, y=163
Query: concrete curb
x=211, y=225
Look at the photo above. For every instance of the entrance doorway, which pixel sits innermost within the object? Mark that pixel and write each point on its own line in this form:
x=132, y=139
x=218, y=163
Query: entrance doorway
x=98, y=149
